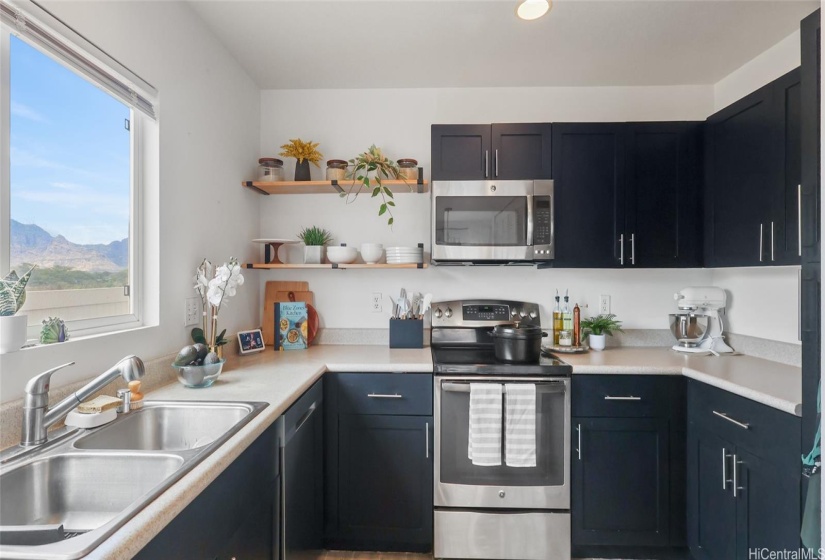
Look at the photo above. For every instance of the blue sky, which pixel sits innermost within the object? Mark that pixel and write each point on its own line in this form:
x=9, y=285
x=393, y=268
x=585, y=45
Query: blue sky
x=70, y=152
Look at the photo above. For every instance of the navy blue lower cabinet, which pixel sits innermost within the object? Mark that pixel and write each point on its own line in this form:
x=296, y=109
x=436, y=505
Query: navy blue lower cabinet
x=378, y=464
x=234, y=517
x=621, y=481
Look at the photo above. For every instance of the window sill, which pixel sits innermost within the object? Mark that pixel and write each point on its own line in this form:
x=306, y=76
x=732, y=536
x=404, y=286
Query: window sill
x=88, y=334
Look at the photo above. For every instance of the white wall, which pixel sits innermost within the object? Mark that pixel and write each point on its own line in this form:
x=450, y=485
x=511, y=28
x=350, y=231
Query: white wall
x=209, y=128
x=768, y=66
x=346, y=122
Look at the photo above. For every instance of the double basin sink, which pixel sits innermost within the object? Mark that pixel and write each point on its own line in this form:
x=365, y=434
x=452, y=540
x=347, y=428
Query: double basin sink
x=63, y=499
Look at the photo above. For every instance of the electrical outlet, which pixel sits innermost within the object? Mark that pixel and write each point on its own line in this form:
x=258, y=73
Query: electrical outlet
x=376, y=302
x=604, y=304
x=192, y=311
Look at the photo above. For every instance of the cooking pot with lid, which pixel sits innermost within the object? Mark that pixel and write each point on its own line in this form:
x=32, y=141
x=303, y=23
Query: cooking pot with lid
x=515, y=343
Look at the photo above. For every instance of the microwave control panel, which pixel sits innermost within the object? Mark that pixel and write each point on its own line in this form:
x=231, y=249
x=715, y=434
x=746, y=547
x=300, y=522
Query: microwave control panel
x=543, y=216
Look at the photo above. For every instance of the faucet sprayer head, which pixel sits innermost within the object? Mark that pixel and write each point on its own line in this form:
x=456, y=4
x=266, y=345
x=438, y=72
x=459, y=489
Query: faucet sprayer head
x=131, y=368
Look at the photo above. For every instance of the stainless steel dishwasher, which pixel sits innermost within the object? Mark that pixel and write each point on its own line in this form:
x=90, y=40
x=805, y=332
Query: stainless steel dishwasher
x=302, y=477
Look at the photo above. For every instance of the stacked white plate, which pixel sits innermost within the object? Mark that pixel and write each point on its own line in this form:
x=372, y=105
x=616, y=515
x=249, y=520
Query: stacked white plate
x=405, y=255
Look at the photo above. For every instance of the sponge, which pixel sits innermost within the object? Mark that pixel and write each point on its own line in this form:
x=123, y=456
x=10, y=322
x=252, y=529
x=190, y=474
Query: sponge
x=98, y=404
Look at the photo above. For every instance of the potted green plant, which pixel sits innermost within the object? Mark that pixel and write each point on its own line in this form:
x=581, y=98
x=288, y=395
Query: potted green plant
x=314, y=239
x=599, y=326
x=12, y=297
x=369, y=169
x=304, y=153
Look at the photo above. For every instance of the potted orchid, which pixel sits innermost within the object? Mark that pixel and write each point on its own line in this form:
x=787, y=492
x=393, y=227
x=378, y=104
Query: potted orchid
x=214, y=285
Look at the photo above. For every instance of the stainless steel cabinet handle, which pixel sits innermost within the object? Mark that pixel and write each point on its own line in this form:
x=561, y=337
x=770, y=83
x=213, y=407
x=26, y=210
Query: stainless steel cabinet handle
x=486, y=163
x=633, y=248
x=427, y=440
x=772, y=255
x=628, y=398
x=495, y=163
x=380, y=396
x=621, y=249
x=736, y=486
x=799, y=215
x=579, y=447
x=761, y=235
x=731, y=420
x=725, y=469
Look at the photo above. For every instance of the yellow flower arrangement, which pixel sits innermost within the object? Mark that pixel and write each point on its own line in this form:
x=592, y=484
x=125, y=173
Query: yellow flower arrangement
x=301, y=151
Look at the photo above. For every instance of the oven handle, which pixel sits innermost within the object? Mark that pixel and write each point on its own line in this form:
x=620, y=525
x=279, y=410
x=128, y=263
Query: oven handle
x=555, y=387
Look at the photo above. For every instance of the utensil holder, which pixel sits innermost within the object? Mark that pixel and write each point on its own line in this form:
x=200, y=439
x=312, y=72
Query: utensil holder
x=406, y=333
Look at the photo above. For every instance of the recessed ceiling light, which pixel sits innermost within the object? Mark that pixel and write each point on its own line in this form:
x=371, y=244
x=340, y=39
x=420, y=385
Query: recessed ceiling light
x=533, y=9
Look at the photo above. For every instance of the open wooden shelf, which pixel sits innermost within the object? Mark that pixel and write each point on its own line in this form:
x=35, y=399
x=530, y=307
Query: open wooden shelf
x=328, y=187
x=281, y=266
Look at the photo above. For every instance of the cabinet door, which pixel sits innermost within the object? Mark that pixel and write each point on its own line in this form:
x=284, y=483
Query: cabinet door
x=741, y=179
x=785, y=245
x=662, y=223
x=620, y=482
x=385, y=482
x=521, y=151
x=461, y=152
x=810, y=80
x=589, y=162
x=254, y=538
x=711, y=507
x=768, y=506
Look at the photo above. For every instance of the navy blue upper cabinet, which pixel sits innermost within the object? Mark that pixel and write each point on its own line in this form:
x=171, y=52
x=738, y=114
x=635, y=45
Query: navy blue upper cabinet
x=500, y=151
x=752, y=177
x=627, y=194
x=589, y=175
x=663, y=226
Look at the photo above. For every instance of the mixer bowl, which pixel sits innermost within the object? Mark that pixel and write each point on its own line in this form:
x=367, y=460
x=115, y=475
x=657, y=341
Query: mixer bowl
x=689, y=328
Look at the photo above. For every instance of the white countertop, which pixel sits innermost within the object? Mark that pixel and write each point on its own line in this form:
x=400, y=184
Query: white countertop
x=280, y=378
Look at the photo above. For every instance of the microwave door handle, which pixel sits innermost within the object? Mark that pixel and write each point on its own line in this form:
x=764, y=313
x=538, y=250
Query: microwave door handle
x=530, y=220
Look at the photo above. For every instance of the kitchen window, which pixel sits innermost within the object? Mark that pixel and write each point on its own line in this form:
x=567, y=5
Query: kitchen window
x=72, y=161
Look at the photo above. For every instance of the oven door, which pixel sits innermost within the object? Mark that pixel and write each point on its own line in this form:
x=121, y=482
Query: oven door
x=482, y=221
x=459, y=483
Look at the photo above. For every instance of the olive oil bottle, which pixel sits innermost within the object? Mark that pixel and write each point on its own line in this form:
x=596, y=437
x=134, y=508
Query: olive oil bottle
x=557, y=321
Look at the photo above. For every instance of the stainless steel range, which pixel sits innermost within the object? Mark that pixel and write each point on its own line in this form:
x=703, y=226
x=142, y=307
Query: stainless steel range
x=511, y=502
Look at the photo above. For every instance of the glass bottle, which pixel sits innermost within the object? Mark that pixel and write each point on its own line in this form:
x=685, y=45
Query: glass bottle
x=577, y=328
x=566, y=314
x=557, y=321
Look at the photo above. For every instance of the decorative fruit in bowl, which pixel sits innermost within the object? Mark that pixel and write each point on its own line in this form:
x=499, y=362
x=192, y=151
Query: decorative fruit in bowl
x=196, y=366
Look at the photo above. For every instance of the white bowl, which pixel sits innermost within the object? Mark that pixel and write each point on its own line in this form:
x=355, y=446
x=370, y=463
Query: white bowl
x=372, y=252
x=342, y=255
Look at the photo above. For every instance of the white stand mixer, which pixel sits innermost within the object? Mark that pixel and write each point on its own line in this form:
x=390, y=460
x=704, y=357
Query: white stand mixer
x=698, y=328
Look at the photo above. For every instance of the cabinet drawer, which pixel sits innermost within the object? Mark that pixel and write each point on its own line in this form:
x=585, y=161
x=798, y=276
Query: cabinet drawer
x=626, y=396
x=764, y=431
x=385, y=393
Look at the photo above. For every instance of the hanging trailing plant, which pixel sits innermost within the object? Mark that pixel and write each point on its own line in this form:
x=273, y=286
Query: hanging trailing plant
x=368, y=170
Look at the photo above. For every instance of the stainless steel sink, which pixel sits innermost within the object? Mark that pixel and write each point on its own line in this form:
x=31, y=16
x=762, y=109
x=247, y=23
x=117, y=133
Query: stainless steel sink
x=168, y=427
x=62, y=499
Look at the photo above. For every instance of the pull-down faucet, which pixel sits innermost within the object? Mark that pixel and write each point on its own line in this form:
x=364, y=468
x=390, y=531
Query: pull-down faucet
x=38, y=417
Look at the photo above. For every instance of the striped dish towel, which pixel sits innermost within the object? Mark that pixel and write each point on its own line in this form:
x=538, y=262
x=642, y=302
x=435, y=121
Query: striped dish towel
x=520, y=425
x=484, y=441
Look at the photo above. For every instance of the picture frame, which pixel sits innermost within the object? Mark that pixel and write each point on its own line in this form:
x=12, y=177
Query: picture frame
x=250, y=342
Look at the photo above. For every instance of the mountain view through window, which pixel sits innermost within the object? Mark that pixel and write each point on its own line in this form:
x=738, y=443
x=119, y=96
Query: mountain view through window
x=70, y=169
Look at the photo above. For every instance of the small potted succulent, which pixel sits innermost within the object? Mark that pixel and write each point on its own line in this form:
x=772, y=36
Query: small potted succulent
x=599, y=326
x=304, y=153
x=315, y=239
x=12, y=297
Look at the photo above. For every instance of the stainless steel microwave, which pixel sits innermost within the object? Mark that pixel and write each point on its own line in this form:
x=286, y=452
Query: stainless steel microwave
x=492, y=222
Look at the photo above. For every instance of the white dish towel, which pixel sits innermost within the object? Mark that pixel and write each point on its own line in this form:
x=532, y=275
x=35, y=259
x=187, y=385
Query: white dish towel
x=484, y=441
x=520, y=425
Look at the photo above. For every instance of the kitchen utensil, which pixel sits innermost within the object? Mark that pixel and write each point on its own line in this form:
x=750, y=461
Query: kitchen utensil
x=342, y=255
x=313, y=324
x=688, y=328
x=278, y=291
x=425, y=304
x=517, y=343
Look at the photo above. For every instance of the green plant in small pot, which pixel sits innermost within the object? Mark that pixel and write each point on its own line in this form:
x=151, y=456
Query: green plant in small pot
x=369, y=169
x=13, y=327
x=597, y=327
x=315, y=239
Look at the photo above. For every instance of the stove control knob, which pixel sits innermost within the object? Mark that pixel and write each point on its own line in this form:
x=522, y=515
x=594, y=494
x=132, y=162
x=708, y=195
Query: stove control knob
x=448, y=313
x=513, y=312
x=533, y=315
x=501, y=493
x=522, y=313
x=438, y=312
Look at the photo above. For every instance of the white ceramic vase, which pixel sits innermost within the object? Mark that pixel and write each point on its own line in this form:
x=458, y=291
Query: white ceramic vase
x=314, y=254
x=13, y=333
x=597, y=341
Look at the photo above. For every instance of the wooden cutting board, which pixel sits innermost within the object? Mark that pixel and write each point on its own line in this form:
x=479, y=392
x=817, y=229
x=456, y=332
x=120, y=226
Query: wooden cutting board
x=278, y=291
